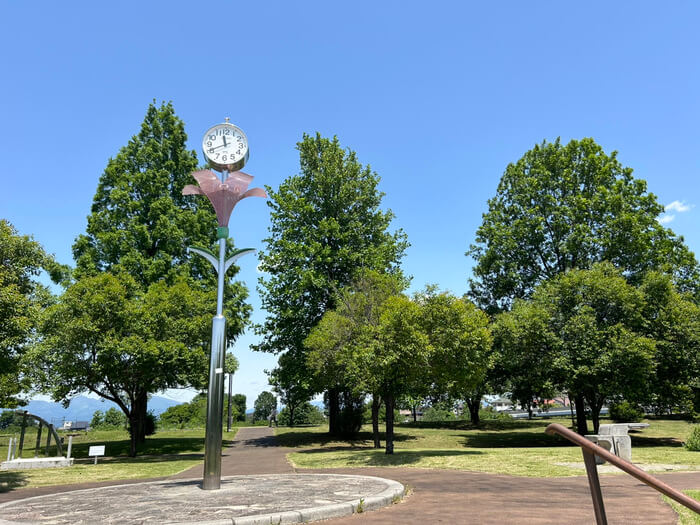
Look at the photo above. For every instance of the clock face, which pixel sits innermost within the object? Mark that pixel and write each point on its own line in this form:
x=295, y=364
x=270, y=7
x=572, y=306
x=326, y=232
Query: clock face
x=226, y=147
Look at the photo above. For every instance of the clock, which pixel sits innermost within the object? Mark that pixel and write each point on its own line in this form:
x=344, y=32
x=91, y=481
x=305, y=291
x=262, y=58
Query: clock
x=225, y=146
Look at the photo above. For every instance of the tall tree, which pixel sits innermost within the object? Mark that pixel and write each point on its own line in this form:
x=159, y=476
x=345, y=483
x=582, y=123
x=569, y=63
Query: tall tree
x=568, y=206
x=333, y=342
x=292, y=383
x=108, y=337
x=461, y=339
x=264, y=404
x=326, y=223
x=672, y=320
x=592, y=332
x=22, y=299
x=141, y=224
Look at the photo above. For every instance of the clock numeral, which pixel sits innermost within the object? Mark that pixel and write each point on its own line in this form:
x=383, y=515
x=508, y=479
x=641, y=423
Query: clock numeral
x=209, y=143
x=217, y=155
x=227, y=131
x=211, y=150
x=212, y=137
x=223, y=158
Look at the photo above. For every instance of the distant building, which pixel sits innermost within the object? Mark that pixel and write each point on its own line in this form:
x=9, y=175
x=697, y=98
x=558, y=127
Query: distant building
x=76, y=425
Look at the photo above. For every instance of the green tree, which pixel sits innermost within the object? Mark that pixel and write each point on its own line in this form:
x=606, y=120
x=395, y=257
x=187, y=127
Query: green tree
x=114, y=418
x=326, y=223
x=108, y=337
x=672, y=320
x=566, y=207
x=263, y=406
x=98, y=419
x=141, y=224
x=22, y=300
x=332, y=342
x=461, y=340
x=292, y=383
x=306, y=414
x=239, y=401
x=594, y=337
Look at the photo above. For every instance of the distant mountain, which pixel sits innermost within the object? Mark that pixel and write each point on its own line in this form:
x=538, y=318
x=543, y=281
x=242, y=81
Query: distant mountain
x=82, y=408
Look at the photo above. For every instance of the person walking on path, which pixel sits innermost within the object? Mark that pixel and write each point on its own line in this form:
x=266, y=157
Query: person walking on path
x=273, y=416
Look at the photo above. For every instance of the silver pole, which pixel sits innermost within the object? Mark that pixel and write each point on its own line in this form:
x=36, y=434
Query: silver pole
x=9, y=449
x=215, y=396
x=70, y=446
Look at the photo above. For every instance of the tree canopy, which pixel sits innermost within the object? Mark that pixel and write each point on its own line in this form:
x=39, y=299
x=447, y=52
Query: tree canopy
x=326, y=224
x=22, y=298
x=562, y=207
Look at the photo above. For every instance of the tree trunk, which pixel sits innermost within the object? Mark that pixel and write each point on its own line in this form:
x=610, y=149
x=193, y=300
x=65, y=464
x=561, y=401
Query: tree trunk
x=413, y=409
x=596, y=404
x=571, y=409
x=333, y=411
x=389, y=405
x=291, y=414
x=581, y=423
x=141, y=410
x=376, y=403
x=529, y=410
x=474, y=404
x=133, y=419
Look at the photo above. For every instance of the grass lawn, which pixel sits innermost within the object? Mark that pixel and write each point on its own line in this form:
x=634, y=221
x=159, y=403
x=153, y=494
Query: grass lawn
x=164, y=454
x=685, y=515
x=515, y=447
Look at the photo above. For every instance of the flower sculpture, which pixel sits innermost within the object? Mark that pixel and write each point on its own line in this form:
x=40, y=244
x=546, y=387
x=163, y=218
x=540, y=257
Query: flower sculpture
x=223, y=195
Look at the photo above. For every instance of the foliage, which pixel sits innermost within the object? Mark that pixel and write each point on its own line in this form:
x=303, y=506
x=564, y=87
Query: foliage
x=461, y=342
x=111, y=419
x=693, y=441
x=326, y=223
x=263, y=406
x=238, y=403
x=305, y=414
x=381, y=416
x=141, y=225
x=230, y=363
x=563, y=207
x=292, y=382
x=584, y=331
x=672, y=320
x=438, y=414
x=107, y=336
x=625, y=412
x=22, y=299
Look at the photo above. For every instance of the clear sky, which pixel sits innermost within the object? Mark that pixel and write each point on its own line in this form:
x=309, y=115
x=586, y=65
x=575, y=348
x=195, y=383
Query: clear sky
x=437, y=97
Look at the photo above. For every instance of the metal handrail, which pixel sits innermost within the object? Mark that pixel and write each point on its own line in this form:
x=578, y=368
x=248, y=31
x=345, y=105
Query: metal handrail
x=590, y=450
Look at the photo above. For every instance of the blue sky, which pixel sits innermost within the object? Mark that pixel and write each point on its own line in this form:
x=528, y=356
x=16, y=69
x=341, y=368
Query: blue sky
x=438, y=98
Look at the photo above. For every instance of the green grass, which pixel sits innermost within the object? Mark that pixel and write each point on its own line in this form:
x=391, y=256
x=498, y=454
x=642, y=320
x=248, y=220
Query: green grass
x=515, y=447
x=685, y=515
x=164, y=454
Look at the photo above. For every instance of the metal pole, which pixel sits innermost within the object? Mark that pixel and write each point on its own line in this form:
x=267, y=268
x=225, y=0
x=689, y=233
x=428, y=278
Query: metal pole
x=37, y=447
x=230, y=386
x=594, y=484
x=70, y=446
x=9, y=449
x=215, y=395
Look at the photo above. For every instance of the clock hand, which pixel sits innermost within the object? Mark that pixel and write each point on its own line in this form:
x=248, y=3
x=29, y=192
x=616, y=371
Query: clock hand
x=224, y=141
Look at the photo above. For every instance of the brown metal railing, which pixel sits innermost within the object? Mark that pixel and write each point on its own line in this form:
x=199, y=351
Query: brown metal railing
x=590, y=450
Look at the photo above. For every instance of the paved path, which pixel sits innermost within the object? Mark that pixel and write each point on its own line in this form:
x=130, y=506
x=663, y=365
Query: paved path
x=456, y=497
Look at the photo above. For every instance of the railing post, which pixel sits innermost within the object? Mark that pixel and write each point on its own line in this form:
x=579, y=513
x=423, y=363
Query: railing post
x=594, y=484
x=37, y=447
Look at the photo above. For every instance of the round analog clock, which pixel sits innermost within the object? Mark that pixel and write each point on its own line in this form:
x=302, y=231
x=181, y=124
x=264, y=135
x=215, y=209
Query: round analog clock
x=225, y=147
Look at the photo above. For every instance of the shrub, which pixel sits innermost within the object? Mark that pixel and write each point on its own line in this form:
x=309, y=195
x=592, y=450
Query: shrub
x=625, y=412
x=438, y=414
x=693, y=442
x=305, y=414
x=491, y=414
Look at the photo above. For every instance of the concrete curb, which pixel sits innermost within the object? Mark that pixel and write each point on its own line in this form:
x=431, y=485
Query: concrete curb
x=393, y=491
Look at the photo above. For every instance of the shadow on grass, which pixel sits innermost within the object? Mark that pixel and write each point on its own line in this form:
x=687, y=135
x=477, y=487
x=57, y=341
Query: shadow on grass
x=152, y=446
x=11, y=480
x=512, y=440
x=487, y=424
x=377, y=457
x=308, y=439
x=647, y=441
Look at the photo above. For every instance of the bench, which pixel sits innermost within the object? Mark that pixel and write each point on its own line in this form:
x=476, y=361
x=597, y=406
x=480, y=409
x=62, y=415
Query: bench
x=615, y=438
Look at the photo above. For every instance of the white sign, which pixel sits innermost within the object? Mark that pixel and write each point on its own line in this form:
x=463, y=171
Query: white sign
x=98, y=450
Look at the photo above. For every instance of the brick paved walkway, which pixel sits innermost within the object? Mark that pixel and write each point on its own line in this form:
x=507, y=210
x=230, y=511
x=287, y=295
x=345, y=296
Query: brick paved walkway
x=456, y=497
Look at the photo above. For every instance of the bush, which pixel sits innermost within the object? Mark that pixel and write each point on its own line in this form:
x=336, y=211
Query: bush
x=305, y=414
x=693, y=442
x=438, y=414
x=625, y=412
x=491, y=414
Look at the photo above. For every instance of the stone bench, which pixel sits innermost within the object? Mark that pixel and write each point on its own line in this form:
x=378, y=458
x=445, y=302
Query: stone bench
x=615, y=439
